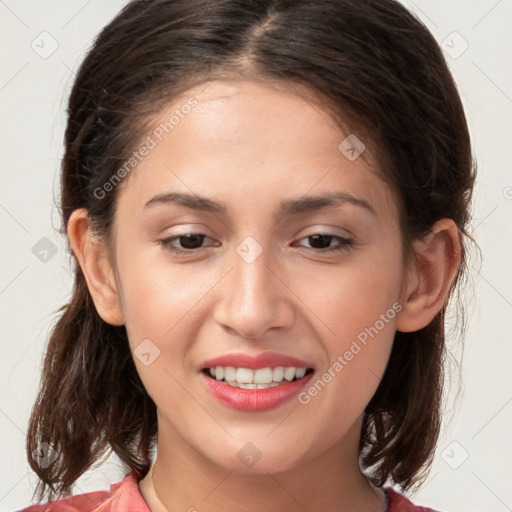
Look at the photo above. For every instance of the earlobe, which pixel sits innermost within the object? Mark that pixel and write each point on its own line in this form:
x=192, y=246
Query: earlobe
x=92, y=256
x=437, y=258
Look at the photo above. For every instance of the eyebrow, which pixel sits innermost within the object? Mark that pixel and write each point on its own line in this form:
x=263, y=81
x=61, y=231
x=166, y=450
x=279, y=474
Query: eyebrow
x=286, y=207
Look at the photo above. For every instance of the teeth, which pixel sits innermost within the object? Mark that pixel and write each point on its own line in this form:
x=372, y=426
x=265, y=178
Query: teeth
x=289, y=373
x=247, y=385
x=243, y=375
x=300, y=373
x=278, y=373
x=262, y=378
x=242, y=385
x=229, y=373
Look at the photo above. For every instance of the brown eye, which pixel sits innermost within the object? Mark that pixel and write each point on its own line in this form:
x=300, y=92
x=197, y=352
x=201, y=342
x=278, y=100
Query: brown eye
x=188, y=242
x=191, y=240
x=321, y=242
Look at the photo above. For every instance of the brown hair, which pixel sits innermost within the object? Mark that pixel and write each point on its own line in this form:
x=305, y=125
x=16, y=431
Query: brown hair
x=375, y=66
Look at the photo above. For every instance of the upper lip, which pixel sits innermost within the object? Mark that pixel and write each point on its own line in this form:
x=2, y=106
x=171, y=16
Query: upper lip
x=263, y=360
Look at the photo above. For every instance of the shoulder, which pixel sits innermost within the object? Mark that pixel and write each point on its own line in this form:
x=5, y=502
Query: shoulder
x=123, y=496
x=397, y=502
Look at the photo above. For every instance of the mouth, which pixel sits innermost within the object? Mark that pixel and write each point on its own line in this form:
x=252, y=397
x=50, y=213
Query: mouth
x=261, y=378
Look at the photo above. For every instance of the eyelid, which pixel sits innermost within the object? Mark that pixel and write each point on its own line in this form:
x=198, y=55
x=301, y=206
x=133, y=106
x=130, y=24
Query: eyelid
x=179, y=235
x=345, y=244
x=330, y=229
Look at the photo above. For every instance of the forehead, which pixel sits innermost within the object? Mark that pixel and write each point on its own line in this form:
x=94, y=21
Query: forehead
x=243, y=139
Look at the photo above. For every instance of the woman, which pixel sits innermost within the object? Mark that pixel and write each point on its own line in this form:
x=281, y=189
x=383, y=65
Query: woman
x=267, y=203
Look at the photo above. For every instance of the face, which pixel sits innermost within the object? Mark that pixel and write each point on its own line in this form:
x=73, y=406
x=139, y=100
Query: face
x=221, y=251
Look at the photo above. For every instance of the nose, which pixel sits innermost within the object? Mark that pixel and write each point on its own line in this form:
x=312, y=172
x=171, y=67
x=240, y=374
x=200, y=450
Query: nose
x=254, y=298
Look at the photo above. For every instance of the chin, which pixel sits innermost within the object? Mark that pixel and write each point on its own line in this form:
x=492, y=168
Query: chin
x=248, y=458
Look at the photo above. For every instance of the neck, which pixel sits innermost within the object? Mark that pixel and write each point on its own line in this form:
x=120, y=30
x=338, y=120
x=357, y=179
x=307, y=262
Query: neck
x=183, y=480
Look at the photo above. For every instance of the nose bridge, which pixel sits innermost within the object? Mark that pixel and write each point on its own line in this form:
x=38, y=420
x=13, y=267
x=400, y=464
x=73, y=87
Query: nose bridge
x=252, y=282
x=255, y=300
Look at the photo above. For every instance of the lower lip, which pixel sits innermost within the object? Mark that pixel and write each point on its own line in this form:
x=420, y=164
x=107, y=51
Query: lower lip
x=254, y=400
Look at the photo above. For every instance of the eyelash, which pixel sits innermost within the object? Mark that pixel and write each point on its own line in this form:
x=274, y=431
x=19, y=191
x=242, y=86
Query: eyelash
x=345, y=244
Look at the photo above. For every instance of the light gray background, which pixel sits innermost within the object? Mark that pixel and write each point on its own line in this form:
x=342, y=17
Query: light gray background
x=33, y=93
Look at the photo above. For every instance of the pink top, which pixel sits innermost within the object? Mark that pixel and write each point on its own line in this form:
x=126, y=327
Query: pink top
x=125, y=496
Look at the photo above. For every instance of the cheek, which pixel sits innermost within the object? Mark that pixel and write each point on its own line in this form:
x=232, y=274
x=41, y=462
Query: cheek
x=357, y=314
x=351, y=297
x=355, y=309
x=162, y=306
x=158, y=296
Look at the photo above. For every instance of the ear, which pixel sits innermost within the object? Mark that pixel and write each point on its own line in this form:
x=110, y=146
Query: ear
x=437, y=257
x=92, y=257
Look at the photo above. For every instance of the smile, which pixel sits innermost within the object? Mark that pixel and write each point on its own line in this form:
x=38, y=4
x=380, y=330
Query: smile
x=282, y=384
x=262, y=378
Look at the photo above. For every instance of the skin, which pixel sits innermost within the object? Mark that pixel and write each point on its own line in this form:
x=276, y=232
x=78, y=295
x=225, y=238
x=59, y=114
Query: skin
x=247, y=136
